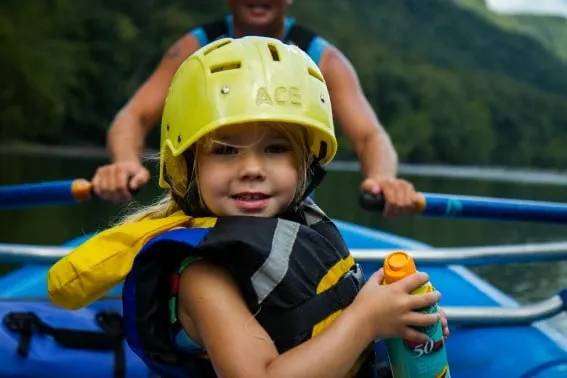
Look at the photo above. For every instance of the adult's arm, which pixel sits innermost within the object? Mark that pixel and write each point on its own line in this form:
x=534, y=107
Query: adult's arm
x=126, y=136
x=359, y=124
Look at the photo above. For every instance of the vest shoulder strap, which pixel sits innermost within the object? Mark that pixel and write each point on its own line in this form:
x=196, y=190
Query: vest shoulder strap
x=186, y=236
x=300, y=36
x=308, y=41
x=210, y=31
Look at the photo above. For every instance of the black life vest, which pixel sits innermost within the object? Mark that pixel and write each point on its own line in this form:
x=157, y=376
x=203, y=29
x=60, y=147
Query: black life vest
x=300, y=273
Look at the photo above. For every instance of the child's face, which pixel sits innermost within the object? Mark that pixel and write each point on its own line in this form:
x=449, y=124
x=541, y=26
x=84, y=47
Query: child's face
x=247, y=171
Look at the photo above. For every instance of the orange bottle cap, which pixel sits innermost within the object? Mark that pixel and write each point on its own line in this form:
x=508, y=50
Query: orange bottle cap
x=397, y=265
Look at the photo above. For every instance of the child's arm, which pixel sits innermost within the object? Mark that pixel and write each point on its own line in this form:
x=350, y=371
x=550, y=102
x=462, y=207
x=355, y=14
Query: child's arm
x=213, y=311
x=238, y=345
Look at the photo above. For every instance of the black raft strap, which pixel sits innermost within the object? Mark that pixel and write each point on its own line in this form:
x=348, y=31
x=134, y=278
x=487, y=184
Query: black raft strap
x=111, y=337
x=302, y=319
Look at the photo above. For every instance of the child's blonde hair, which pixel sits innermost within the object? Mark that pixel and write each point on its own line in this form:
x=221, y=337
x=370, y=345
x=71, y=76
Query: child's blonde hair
x=182, y=185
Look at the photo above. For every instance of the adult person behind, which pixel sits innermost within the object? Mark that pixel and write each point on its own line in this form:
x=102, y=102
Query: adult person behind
x=359, y=124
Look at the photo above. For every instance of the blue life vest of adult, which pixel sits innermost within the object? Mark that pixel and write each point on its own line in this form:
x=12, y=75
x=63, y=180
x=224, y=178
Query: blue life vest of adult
x=308, y=41
x=297, y=268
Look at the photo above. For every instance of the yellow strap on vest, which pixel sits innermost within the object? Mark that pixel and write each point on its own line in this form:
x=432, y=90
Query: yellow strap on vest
x=102, y=262
x=329, y=280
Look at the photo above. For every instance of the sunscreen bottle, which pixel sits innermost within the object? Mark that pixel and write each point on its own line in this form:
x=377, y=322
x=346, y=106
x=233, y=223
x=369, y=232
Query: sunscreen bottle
x=409, y=359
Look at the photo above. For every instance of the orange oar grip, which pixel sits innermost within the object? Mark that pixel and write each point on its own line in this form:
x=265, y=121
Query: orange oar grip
x=81, y=190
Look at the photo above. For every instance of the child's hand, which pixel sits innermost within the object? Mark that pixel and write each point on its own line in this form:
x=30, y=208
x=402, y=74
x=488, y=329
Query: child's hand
x=390, y=310
x=444, y=322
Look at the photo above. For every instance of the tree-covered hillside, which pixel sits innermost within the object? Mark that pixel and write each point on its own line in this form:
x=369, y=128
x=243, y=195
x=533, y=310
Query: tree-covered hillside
x=450, y=85
x=550, y=31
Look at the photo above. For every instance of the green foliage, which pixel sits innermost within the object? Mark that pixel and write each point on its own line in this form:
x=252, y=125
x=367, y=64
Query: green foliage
x=450, y=85
x=39, y=66
x=551, y=31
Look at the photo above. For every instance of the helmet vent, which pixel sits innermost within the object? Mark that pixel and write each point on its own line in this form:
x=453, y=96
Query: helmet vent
x=216, y=46
x=225, y=67
x=315, y=74
x=274, y=52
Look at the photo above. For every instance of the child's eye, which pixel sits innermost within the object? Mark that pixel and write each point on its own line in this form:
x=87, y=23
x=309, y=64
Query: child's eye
x=224, y=150
x=278, y=148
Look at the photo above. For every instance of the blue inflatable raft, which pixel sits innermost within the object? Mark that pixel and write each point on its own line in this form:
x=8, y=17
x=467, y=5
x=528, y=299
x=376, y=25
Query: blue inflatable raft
x=531, y=350
x=40, y=340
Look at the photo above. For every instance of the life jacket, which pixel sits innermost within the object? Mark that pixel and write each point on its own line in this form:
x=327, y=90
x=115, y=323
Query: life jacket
x=101, y=263
x=295, y=34
x=296, y=276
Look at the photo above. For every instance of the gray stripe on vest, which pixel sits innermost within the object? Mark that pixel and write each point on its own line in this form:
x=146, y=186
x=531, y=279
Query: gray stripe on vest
x=274, y=269
x=313, y=214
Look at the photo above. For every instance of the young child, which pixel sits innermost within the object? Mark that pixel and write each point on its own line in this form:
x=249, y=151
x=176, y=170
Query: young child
x=235, y=272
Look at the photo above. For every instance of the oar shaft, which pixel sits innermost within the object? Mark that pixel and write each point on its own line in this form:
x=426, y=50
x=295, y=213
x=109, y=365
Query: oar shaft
x=457, y=206
x=45, y=193
x=495, y=208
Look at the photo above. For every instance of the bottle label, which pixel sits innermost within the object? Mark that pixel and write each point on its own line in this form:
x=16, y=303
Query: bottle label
x=420, y=360
x=435, y=334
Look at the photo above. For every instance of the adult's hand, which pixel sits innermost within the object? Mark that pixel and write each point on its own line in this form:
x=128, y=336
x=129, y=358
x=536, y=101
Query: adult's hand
x=115, y=182
x=400, y=195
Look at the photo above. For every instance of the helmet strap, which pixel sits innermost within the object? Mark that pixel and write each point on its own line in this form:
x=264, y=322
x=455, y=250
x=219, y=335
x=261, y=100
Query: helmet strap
x=177, y=197
x=317, y=172
x=191, y=200
x=317, y=175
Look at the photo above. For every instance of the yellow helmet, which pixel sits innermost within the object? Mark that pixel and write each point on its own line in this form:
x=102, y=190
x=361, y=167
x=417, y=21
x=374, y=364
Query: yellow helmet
x=250, y=79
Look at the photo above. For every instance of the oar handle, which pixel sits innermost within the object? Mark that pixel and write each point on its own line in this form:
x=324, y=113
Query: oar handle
x=372, y=202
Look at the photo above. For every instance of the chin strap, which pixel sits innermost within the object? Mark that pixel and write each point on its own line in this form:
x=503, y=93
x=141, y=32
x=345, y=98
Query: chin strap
x=189, y=202
x=316, y=173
